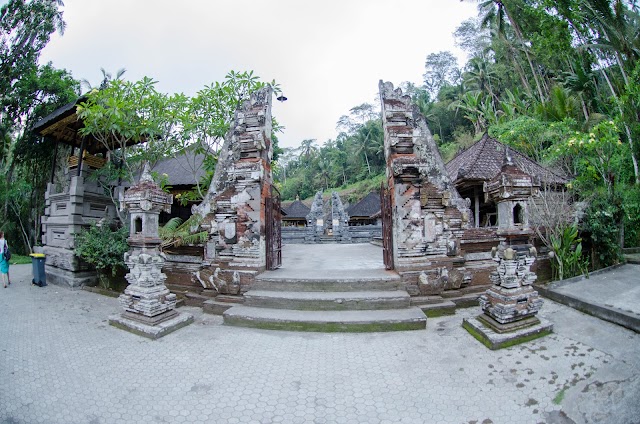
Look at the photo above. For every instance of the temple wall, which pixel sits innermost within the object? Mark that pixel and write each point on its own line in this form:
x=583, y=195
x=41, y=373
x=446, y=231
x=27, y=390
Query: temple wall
x=66, y=214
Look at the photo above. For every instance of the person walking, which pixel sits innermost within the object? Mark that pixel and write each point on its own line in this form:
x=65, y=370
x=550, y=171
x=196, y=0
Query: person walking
x=4, y=264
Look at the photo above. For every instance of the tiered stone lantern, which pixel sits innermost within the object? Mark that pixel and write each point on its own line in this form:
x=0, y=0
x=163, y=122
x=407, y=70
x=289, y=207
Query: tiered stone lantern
x=510, y=306
x=149, y=307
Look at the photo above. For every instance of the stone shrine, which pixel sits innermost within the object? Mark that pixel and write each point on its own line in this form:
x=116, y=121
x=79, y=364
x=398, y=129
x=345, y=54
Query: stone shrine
x=149, y=307
x=511, y=304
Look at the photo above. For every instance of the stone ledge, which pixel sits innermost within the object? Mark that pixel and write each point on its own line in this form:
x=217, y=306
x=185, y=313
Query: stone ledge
x=495, y=341
x=616, y=316
x=433, y=310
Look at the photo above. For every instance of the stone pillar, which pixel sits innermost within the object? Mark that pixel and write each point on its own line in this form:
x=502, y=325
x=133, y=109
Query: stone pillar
x=233, y=209
x=510, y=306
x=67, y=212
x=149, y=307
x=429, y=216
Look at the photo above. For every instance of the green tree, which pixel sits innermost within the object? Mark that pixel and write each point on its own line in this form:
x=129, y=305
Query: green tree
x=440, y=68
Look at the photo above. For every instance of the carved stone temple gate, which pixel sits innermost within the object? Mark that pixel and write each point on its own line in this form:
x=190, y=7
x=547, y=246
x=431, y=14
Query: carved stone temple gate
x=428, y=216
x=429, y=239
x=241, y=205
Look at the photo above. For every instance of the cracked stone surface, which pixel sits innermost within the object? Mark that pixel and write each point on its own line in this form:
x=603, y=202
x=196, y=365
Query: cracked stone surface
x=60, y=362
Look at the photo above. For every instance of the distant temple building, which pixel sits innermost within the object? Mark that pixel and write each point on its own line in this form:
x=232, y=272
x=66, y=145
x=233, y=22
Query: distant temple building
x=480, y=163
x=295, y=215
x=366, y=211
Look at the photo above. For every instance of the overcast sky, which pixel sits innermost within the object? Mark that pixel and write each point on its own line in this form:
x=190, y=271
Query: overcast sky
x=328, y=56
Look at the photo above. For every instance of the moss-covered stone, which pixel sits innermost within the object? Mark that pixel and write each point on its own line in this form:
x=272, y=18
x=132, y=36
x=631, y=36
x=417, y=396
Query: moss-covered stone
x=329, y=327
x=513, y=341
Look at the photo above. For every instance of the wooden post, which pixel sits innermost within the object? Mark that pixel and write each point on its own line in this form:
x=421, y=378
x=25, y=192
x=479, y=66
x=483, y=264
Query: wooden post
x=476, y=204
x=82, y=146
x=54, y=159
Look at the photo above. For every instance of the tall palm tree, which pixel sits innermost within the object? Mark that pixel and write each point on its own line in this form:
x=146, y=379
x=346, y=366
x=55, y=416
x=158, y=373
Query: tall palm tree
x=480, y=76
x=308, y=149
x=106, y=78
x=493, y=13
x=581, y=80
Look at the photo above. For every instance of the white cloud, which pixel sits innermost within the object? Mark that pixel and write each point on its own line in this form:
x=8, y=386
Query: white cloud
x=328, y=56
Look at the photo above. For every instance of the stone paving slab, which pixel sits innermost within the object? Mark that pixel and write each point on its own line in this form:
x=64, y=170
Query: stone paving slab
x=61, y=362
x=612, y=294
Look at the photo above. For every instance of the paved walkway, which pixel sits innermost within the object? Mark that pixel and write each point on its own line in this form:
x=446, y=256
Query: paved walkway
x=60, y=362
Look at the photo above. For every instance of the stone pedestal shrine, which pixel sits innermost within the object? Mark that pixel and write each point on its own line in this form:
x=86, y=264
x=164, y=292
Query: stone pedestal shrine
x=510, y=306
x=149, y=307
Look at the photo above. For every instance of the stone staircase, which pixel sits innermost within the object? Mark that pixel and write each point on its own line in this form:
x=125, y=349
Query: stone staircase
x=336, y=301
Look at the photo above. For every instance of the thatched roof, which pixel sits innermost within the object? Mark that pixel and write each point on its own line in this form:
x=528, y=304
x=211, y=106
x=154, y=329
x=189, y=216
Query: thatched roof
x=183, y=169
x=296, y=210
x=483, y=161
x=367, y=207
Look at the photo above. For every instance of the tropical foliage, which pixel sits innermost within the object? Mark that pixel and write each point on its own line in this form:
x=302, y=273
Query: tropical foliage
x=29, y=91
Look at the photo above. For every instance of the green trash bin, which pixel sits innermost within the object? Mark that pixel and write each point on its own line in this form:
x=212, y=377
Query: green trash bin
x=37, y=265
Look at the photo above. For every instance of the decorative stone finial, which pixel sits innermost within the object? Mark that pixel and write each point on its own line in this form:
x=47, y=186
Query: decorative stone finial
x=146, y=174
x=508, y=161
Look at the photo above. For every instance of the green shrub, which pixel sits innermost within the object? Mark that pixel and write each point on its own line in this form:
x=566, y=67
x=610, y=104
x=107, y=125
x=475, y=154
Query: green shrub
x=567, y=260
x=631, y=220
x=602, y=225
x=103, y=247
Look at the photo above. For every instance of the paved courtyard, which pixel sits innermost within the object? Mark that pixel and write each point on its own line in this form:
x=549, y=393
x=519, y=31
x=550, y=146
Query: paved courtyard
x=60, y=362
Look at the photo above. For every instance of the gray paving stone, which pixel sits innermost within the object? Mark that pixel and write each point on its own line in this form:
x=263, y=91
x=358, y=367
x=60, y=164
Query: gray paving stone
x=60, y=362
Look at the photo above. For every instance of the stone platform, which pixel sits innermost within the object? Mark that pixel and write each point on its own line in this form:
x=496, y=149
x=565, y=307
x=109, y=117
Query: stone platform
x=494, y=339
x=612, y=294
x=154, y=331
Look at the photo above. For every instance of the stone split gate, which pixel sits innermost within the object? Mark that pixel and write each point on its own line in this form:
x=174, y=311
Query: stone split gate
x=430, y=239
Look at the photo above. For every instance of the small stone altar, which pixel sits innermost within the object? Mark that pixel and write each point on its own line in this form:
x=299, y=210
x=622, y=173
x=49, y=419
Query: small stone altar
x=510, y=306
x=149, y=307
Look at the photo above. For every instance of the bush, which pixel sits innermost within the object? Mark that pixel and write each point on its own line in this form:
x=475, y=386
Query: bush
x=103, y=247
x=602, y=226
x=631, y=220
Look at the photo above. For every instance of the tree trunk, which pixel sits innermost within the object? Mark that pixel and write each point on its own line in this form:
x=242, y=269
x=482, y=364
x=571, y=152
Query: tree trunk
x=516, y=28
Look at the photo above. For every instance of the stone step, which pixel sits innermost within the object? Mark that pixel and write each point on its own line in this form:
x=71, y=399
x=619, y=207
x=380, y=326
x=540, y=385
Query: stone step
x=215, y=307
x=328, y=301
x=467, y=301
x=326, y=321
x=329, y=283
x=433, y=310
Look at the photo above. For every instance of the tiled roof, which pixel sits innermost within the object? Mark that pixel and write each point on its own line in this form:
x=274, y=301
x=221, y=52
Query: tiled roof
x=483, y=161
x=183, y=169
x=368, y=206
x=296, y=210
